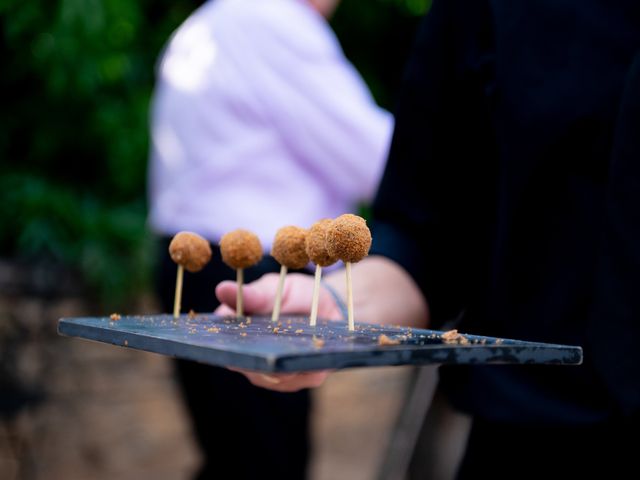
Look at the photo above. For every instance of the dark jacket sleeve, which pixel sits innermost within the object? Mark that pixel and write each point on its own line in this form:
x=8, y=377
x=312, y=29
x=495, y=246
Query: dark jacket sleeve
x=615, y=316
x=430, y=214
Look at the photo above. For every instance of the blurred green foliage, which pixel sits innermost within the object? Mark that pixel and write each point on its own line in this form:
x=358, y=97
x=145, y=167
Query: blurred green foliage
x=76, y=81
x=376, y=36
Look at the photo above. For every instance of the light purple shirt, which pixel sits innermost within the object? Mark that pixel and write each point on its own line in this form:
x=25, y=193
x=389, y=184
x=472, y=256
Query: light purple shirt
x=258, y=122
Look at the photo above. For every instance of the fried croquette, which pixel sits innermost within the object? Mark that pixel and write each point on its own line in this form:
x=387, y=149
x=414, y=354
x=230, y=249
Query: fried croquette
x=190, y=250
x=316, y=244
x=240, y=249
x=348, y=238
x=289, y=247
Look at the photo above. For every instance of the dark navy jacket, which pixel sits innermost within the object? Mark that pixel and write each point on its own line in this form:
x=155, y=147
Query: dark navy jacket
x=512, y=194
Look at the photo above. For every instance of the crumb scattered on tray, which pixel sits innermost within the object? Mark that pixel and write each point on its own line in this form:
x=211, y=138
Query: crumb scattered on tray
x=126, y=343
x=275, y=330
x=248, y=320
x=384, y=340
x=498, y=341
x=243, y=334
x=115, y=317
x=213, y=329
x=452, y=336
x=317, y=342
x=299, y=330
x=191, y=314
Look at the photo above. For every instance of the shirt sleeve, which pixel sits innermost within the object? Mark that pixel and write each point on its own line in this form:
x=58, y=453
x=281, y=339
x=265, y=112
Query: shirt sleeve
x=318, y=101
x=615, y=311
x=423, y=217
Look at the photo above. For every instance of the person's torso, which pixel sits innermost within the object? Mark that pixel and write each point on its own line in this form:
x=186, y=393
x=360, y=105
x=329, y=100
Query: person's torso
x=557, y=70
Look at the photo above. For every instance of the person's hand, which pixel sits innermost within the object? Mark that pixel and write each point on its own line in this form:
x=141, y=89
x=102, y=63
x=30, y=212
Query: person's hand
x=383, y=291
x=258, y=299
x=284, y=382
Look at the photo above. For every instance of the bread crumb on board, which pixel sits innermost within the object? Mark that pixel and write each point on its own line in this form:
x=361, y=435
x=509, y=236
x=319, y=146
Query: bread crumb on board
x=191, y=314
x=452, y=336
x=115, y=317
x=317, y=342
x=384, y=340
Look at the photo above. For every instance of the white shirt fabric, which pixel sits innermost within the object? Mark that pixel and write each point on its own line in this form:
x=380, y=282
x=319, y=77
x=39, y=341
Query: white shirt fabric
x=259, y=121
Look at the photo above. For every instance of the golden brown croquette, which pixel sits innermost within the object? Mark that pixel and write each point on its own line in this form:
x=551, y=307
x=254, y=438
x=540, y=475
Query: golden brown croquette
x=289, y=247
x=190, y=250
x=240, y=249
x=316, y=244
x=348, y=238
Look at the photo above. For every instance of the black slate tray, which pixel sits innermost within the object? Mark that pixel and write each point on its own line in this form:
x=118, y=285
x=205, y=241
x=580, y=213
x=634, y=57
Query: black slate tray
x=290, y=345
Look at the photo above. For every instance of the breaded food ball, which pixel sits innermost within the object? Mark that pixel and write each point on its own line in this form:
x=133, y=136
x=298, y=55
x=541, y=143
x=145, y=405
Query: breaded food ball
x=349, y=238
x=316, y=244
x=289, y=247
x=190, y=250
x=240, y=249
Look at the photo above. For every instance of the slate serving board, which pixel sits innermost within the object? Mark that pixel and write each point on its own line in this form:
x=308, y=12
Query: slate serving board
x=291, y=345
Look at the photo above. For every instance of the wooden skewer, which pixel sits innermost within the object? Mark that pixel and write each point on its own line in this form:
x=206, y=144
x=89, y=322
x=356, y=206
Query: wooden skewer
x=316, y=297
x=276, y=306
x=349, y=297
x=240, y=281
x=178, y=298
